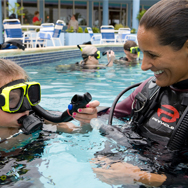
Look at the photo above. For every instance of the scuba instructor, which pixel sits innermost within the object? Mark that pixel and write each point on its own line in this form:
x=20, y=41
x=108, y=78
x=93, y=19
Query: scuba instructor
x=157, y=108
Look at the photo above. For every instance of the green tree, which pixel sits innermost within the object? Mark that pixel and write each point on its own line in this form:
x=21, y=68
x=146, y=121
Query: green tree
x=16, y=9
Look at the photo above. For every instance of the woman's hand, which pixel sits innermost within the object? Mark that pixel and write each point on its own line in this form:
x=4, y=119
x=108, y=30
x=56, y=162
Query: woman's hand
x=84, y=115
x=110, y=57
x=124, y=173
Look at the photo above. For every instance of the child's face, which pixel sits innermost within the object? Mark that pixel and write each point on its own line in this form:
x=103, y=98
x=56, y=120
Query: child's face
x=130, y=56
x=7, y=119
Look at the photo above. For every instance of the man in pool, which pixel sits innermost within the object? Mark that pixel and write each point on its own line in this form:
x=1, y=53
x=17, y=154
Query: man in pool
x=158, y=107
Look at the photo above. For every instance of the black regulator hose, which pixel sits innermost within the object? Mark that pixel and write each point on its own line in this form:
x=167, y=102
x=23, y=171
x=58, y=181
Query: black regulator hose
x=78, y=101
x=116, y=100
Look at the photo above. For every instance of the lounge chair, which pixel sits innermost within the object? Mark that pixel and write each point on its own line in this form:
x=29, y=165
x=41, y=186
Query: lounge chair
x=108, y=35
x=94, y=38
x=13, y=31
x=49, y=32
x=122, y=33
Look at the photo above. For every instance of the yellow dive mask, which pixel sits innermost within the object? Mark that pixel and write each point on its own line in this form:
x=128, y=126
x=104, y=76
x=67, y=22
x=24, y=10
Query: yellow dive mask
x=12, y=95
x=97, y=54
x=134, y=50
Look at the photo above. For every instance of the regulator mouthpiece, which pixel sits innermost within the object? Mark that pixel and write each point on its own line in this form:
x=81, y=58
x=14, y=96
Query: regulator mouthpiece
x=30, y=123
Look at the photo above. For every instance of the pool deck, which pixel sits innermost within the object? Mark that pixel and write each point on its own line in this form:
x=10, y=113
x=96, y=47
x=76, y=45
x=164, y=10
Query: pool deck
x=32, y=56
x=27, y=51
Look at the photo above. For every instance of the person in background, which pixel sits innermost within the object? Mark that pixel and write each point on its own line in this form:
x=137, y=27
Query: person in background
x=12, y=16
x=157, y=109
x=90, y=56
x=73, y=23
x=131, y=51
x=36, y=20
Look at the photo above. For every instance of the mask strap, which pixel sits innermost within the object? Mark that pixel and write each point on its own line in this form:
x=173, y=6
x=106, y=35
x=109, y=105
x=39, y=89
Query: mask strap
x=12, y=83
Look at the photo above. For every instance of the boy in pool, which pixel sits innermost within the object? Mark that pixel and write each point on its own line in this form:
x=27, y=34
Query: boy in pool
x=12, y=84
x=91, y=56
x=131, y=51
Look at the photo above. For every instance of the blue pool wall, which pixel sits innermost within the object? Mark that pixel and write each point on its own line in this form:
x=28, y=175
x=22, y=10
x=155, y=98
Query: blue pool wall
x=49, y=56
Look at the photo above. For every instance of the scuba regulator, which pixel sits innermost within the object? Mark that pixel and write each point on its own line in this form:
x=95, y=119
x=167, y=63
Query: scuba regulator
x=34, y=120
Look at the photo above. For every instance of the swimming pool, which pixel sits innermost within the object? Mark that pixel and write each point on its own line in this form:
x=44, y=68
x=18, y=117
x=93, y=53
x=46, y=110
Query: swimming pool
x=63, y=160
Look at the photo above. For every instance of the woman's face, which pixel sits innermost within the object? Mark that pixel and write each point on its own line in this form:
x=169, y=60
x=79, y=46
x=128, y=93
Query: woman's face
x=10, y=120
x=169, y=66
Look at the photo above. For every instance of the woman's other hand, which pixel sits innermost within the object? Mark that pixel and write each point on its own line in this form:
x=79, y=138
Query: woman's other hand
x=124, y=173
x=84, y=115
x=111, y=58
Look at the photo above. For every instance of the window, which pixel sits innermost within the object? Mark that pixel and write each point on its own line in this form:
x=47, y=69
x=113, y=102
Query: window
x=29, y=9
x=81, y=12
x=96, y=14
x=51, y=11
x=114, y=13
x=124, y=15
x=66, y=11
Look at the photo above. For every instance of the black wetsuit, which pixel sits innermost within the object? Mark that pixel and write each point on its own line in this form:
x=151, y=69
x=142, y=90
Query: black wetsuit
x=76, y=67
x=149, y=133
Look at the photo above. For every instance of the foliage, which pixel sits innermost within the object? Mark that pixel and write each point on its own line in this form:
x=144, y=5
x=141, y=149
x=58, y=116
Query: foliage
x=70, y=30
x=117, y=26
x=140, y=14
x=133, y=30
x=15, y=10
x=95, y=30
x=37, y=23
x=85, y=30
x=80, y=30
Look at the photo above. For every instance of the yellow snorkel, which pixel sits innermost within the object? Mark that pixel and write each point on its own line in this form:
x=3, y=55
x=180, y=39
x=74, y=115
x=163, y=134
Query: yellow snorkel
x=79, y=47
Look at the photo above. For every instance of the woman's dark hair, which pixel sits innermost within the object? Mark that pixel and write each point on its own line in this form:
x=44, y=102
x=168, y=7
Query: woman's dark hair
x=169, y=20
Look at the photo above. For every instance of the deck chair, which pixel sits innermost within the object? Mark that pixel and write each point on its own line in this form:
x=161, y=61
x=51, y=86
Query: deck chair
x=94, y=38
x=122, y=33
x=132, y=37
x=13, y=31
x=107, y=33
x=49, y=32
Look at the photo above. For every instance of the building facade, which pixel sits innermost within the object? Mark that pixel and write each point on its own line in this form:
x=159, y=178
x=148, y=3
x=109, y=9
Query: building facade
x=93, y=13
x=88, y=12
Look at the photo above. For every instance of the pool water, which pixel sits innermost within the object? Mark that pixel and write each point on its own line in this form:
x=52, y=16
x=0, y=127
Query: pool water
x=63, y=160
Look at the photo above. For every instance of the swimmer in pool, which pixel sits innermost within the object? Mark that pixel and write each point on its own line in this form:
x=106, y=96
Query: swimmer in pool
x=131, y=51
x=17, y=95
x=90, y=56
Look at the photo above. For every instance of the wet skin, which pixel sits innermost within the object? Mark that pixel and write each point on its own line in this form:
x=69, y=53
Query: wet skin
x=8, y=120
x=169, y=66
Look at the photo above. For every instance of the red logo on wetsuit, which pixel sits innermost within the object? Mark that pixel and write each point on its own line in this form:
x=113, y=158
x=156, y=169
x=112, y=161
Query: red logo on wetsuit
x=175, y=115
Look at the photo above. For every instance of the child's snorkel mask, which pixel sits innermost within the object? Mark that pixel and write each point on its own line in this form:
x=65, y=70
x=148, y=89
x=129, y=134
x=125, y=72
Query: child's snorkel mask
x=97, y=54
x=18, y=96
x=134, y=50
